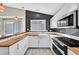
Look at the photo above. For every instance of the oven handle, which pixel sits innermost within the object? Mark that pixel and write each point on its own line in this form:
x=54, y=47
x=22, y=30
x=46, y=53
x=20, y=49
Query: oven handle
x=59, y=49
x=62, y=44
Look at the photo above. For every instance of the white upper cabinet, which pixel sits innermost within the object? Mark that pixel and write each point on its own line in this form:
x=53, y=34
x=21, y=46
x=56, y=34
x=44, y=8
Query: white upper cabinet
x=78, y=14
x=73, y=6
x=64, y=10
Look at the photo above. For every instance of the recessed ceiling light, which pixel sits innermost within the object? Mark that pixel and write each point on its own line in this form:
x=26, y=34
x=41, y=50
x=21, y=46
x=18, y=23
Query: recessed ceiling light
x=37, y=15
x=22, y=7
x=37, y=10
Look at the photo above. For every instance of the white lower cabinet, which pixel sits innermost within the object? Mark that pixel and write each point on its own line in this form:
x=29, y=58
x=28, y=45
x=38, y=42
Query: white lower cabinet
x=22, y=46
x=39, y=42
x=44, y=42
x=13, y=50
x=4, y=50
x=51, y=46
x=18, y=48
x=33, y=41
x=26, y=43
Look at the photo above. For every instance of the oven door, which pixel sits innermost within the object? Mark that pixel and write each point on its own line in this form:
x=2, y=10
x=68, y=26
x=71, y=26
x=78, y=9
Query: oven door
x=59, y=49
x=56, y=50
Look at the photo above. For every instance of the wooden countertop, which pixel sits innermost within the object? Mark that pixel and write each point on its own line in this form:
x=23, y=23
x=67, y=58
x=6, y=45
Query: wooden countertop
x=74, y=50
x=8, y=43
x=3, y=37
x=53, y=34
x=18, y=38
x=13, y=41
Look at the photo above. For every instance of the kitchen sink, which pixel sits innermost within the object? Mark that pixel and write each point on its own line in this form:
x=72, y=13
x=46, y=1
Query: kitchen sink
x=6, y=39
x=43, y=35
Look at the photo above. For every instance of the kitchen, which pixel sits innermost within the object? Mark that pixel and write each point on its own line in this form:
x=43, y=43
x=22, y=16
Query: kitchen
x=39, y=29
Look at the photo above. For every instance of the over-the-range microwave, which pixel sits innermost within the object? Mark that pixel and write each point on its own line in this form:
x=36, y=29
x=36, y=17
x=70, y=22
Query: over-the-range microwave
x=69, y=21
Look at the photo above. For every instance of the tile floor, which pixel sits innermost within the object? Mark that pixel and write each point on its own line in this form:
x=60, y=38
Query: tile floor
x=37, y=51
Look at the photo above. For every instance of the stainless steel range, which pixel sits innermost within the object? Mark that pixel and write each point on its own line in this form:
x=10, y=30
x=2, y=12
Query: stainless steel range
x=60, y=45
x=69, y=42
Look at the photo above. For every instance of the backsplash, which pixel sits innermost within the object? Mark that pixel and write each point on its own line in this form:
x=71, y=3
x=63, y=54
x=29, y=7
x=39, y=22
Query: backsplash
x=71, y=31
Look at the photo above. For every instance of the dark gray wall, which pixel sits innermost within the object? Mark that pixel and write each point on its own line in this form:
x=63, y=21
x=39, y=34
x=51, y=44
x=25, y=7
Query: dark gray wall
x=30, y=15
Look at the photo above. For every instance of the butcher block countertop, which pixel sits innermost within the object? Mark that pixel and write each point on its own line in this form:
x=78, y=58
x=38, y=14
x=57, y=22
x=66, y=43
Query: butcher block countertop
x=18, y=38
x=8, y=43
x=74, y=50
x=13, y=41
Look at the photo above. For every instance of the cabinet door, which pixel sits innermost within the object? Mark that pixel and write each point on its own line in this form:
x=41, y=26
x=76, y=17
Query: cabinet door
x=22, y=46
x=4, y=51
x=44, y=42
x=13, y=49
x=26, y=42
x=33, y=41
x=19, y=48
x=50, y=43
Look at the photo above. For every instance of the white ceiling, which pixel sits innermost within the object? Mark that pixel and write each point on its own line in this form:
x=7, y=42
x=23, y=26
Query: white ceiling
x=47, y=8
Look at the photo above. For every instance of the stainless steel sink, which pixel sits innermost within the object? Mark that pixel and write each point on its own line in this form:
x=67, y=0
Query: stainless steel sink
x=43, y=35
x=6, y=39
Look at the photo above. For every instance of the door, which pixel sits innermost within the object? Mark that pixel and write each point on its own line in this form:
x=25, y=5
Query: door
x=38, y=25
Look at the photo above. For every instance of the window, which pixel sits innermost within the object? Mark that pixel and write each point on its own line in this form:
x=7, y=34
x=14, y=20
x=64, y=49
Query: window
x=38, y=25
x=10, y=26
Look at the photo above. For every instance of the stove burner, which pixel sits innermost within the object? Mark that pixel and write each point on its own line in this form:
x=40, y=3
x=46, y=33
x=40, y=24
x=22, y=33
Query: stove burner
x=69, y=42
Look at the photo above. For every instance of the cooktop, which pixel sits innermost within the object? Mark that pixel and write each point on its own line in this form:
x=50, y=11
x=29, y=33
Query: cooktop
x=69, y=42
